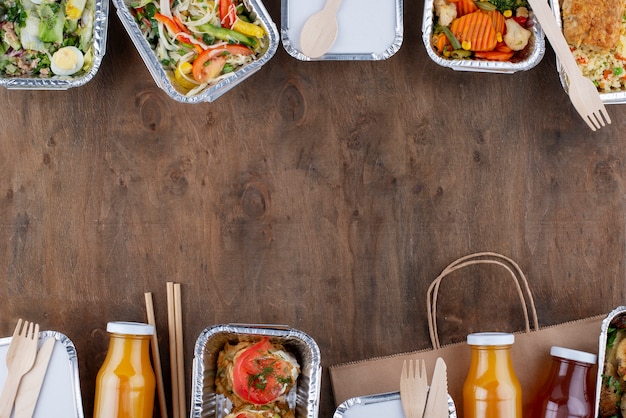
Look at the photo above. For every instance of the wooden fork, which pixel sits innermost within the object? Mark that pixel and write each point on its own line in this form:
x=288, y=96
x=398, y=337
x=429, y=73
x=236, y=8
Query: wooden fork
x=20, y=359
x=413, y=388
x=582, y=92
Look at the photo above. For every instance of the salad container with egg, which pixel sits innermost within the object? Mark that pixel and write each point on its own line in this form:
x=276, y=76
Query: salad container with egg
x=51, y=44
x=255, y=371
x=497, y=36
x=196, y=50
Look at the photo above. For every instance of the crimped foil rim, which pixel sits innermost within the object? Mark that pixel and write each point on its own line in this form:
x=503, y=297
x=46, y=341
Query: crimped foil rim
x=313, y=370
x=607, y=98
x=213, y=92
x=374, y=56
x=101, y=16
x=346, y=405
x=531, y=61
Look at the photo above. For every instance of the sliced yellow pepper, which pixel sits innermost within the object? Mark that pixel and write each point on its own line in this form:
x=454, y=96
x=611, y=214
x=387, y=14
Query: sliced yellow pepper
x=248, y=29
x=184, y=68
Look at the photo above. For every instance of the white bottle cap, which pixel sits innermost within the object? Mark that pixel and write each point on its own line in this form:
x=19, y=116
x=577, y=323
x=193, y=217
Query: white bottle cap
x=490, y=338
x=130, y=328
x=575, y=355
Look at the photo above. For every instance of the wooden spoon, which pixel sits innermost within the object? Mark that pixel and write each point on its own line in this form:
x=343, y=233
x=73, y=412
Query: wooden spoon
x=320, y=30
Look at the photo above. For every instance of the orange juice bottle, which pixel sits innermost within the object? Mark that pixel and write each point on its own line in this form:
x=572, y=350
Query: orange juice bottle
x=568, y=391
x=491, y=389
x=125, y=383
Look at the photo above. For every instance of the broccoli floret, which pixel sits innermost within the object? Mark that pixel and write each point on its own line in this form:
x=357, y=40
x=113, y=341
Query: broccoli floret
x=51, y=22
x=503, y=5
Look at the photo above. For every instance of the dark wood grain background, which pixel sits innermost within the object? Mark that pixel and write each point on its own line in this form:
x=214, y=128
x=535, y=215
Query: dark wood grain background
x=322, y=195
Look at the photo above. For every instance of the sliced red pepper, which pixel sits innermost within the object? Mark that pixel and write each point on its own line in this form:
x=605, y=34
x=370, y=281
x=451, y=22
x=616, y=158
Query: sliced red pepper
x=228, y=13
x=258, y=376
x=178, y=29
x=169, y=23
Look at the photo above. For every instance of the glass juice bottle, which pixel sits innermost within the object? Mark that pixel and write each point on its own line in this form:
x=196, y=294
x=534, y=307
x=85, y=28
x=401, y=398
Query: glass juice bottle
x=491, y=389
x=567, y=391
x=125, y=383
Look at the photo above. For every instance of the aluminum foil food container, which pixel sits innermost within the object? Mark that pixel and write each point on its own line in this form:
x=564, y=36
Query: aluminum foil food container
x=60, y=391
x=215, y=91
x=386, y=405
x=205, y=402
x=533, y=55
x=369, y=30
x=618, y=97
x=618, y=314
x=100, y=25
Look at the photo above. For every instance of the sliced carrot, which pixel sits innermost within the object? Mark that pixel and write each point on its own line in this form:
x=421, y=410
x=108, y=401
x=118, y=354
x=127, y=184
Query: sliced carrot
x=607, y=74
x=477, y=30
x=494, y=55
x=442, y=41
x=464, y=7
x=502, y=47
x=498, y=20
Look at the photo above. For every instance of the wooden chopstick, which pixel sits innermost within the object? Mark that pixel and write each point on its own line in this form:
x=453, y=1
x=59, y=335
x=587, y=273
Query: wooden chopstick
x=180, y=356
x=171, y=321
x=156, y=356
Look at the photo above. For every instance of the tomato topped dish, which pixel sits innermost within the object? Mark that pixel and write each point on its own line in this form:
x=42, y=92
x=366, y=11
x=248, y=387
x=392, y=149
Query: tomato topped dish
x=257, y=377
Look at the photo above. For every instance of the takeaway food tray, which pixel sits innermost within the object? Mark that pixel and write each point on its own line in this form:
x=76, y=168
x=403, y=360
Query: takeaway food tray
x=369, y=30
x=60, y=391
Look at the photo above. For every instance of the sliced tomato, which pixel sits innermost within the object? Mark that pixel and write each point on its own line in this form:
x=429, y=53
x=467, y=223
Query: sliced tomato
x=212, y=59
x=259, y=375
x=208, y=70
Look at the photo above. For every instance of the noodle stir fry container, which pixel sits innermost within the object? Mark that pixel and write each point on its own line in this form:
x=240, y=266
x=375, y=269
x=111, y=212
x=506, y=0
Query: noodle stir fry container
x=213, y=92
x=205, y=402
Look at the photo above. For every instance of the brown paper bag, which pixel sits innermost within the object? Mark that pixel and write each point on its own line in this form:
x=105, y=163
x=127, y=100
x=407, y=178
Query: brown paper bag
x=530, y=352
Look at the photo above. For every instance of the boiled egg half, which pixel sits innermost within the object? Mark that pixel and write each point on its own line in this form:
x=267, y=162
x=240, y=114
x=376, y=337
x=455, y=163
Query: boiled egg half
x=67, y=61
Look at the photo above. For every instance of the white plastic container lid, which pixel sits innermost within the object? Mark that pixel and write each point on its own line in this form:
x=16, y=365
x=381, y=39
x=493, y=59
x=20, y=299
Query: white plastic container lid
x=490, y=338
x=574, y=355
x=130, y=328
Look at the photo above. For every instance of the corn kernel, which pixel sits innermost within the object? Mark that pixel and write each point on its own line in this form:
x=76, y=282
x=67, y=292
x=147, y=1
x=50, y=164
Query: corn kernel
x=499, y=37
x=466, y=45
x=507, y=13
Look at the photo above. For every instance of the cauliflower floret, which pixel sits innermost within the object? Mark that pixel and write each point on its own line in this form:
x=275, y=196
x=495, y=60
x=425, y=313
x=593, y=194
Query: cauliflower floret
x=445, y=11
x=516, y=36
x=522, y=12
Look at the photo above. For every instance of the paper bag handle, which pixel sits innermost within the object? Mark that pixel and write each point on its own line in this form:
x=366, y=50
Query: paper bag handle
x=480, y=258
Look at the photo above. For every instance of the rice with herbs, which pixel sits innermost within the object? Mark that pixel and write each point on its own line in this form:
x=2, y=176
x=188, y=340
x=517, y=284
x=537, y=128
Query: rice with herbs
x=606, y=68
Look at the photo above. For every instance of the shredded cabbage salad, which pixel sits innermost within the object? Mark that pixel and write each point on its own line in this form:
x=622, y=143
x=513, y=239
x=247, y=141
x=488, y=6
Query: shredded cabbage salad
x=31, y=31
x=200, y=42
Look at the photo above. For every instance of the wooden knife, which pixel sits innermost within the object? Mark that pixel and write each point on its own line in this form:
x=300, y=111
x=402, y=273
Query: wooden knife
x=30, y=385
x=437, y=402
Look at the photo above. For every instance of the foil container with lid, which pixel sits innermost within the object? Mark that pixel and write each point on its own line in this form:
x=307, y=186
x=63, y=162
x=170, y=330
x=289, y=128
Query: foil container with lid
x=60, y=394
x=617, y=97
x=532, y=55
x=205, y=402
x=386, y=405
x=213, y=92
x=100, y=26
x=369, y=30
x=606, y=343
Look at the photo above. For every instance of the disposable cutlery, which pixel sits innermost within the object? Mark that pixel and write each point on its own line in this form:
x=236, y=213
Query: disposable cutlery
x=20, y=358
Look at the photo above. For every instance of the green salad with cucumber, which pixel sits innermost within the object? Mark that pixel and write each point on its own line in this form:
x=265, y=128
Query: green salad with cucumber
x=45, y=38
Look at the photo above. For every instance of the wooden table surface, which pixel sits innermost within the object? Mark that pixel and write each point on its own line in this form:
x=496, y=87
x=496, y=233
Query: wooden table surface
x=322, y=195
